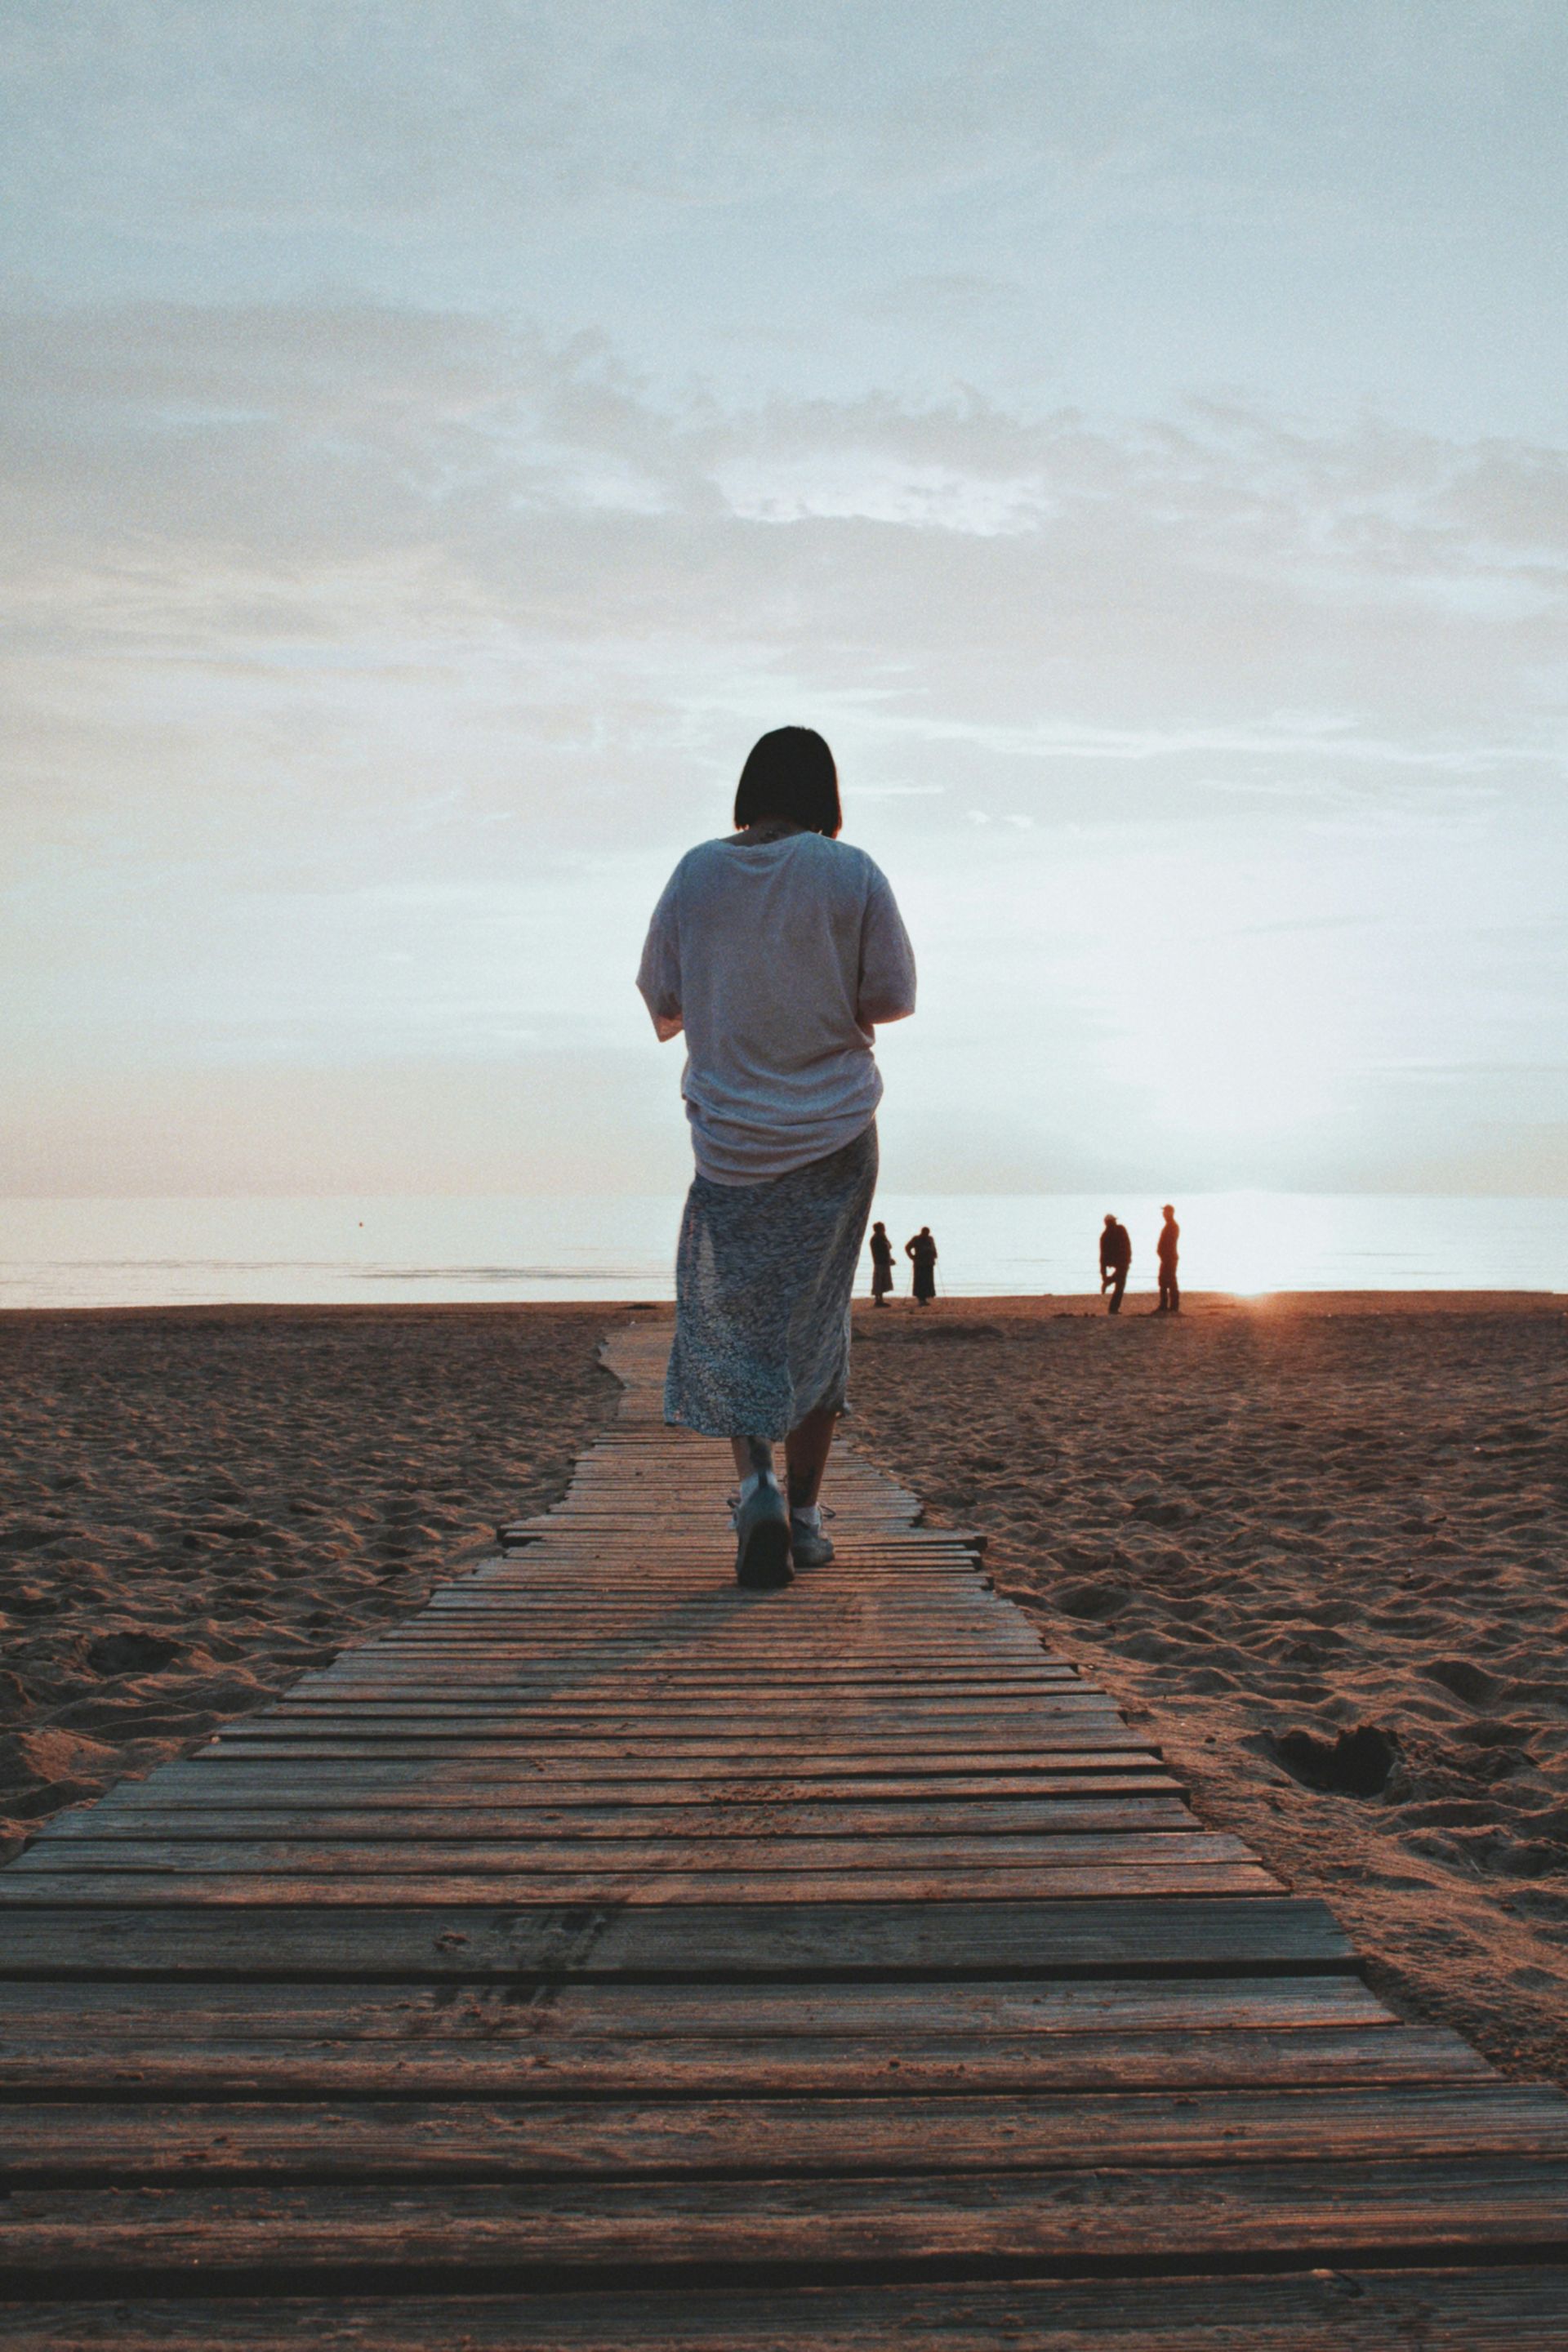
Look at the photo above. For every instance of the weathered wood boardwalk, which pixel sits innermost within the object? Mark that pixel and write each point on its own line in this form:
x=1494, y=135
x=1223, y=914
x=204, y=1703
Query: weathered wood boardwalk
x=608, y=1958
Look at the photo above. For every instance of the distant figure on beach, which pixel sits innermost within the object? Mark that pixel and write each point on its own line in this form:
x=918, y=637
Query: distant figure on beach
x=922, y=1249
x=882, y=1264
x=1165, y=1251
x=777, y=951
x=1115, y=1260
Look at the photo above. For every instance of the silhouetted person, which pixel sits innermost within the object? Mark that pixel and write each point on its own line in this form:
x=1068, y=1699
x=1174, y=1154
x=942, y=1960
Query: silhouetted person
x=1115, y=1258
x=1165, y=1251
x=882, y=1264
x=922, y=1249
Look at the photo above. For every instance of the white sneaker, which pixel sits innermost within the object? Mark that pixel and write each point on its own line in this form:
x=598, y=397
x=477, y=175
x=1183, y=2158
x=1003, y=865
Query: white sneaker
x=808, y=1546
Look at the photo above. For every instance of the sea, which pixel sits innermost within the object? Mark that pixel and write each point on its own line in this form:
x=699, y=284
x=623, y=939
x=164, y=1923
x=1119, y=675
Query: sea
x=185, y=1253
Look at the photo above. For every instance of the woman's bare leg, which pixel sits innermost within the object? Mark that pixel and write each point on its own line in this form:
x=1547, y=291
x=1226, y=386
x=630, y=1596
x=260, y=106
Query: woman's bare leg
x=806, y=1449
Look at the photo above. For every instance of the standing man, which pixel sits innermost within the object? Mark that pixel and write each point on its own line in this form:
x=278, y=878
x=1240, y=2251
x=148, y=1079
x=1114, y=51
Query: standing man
x=922, y=1250
x=1115, y=1258
x=1165, y=1251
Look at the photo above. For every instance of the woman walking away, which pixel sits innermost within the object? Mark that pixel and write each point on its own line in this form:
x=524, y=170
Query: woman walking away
x=777, y=951
x=922, y=1249
x=882, y=1264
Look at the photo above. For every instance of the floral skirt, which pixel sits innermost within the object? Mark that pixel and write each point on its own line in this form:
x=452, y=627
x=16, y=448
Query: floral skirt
x=763, y=1279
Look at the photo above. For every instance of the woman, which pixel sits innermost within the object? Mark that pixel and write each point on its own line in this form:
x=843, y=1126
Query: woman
x=922, y=1250
x=778, y=951
x=882, y=1264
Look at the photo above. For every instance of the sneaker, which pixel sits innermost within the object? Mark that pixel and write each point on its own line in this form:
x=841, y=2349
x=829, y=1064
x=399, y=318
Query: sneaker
x=762, y=1547
x=808, y=1546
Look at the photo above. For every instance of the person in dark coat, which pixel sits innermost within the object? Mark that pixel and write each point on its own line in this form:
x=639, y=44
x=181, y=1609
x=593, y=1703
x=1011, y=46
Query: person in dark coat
x=882, y=1264
x=1165, y=1251
x=922, y=1250
x=1115, y=1259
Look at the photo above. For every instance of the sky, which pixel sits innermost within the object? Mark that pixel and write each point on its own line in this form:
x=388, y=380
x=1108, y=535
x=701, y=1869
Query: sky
x=436, y=437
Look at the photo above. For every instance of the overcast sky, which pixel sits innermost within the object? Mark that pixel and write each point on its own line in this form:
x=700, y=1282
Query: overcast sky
x=441, y=434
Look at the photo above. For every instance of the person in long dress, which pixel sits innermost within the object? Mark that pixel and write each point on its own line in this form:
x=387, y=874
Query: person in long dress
x=922, y=1250
x=1167, y=1249
x=882, y=1264
x=778, y=951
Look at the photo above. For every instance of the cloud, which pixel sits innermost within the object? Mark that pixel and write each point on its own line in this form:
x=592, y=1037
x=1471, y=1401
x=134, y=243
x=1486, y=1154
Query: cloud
x=371, y=664
x=284, y=461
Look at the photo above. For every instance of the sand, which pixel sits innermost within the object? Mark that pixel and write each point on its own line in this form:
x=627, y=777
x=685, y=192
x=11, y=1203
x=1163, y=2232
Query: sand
x=1316, y=1547
x=1319, y=1547
x=198, y=1505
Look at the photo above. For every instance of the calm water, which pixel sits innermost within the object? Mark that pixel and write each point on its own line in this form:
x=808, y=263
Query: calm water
x=178, y=1252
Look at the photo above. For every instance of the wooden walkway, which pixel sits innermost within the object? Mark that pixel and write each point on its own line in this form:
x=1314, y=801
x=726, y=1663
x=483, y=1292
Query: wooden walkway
x=607, y=1958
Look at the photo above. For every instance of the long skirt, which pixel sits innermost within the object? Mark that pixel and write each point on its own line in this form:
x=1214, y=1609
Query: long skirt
x=763, y=1279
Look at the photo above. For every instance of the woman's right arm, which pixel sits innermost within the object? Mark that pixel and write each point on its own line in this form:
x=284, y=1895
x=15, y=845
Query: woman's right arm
x=658, y=974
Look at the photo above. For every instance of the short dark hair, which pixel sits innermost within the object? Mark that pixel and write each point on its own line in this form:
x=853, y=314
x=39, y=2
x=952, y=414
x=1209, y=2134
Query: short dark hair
x=790, y=773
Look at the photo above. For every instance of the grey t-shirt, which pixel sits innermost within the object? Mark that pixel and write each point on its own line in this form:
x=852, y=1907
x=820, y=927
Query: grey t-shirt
x=777, y=960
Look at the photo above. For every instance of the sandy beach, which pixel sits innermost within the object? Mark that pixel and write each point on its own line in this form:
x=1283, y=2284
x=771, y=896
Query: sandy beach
x=1320, y=1547
x=1316, y=1545
x=198, y=1505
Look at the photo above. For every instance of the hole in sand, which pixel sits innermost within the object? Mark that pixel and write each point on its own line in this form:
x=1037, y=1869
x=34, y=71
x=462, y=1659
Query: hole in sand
x=1094, y=1599
x=131, y=1653
x=1357, y=1764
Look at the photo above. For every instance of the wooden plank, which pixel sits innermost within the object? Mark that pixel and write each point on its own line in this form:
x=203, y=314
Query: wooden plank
x=704, y=1663
x=369, y=1662
x=377, y=1681
x=918, y=1724
x=917, y=1608
x=920, y=1610
x=378, y=2140
x=607, y=1667
x=465, y=1821
x=596, y=1674
x=678, y=1514
x=376, y=1942
x=178, y=1789
x=589, y=1655
x=684, y=1736
x=363, y=1779
x=641, y=1638
x=560, y=1851
x=559, y=2010
x=728, y=1754
x=555, y=1643
x=1067, y=1721
x=599, y=1695
x=641, y=1885
x=838, y=2066
x=550, y=1636
x=1102, y=2218
x=1351, y=2308
x=703, y=1566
